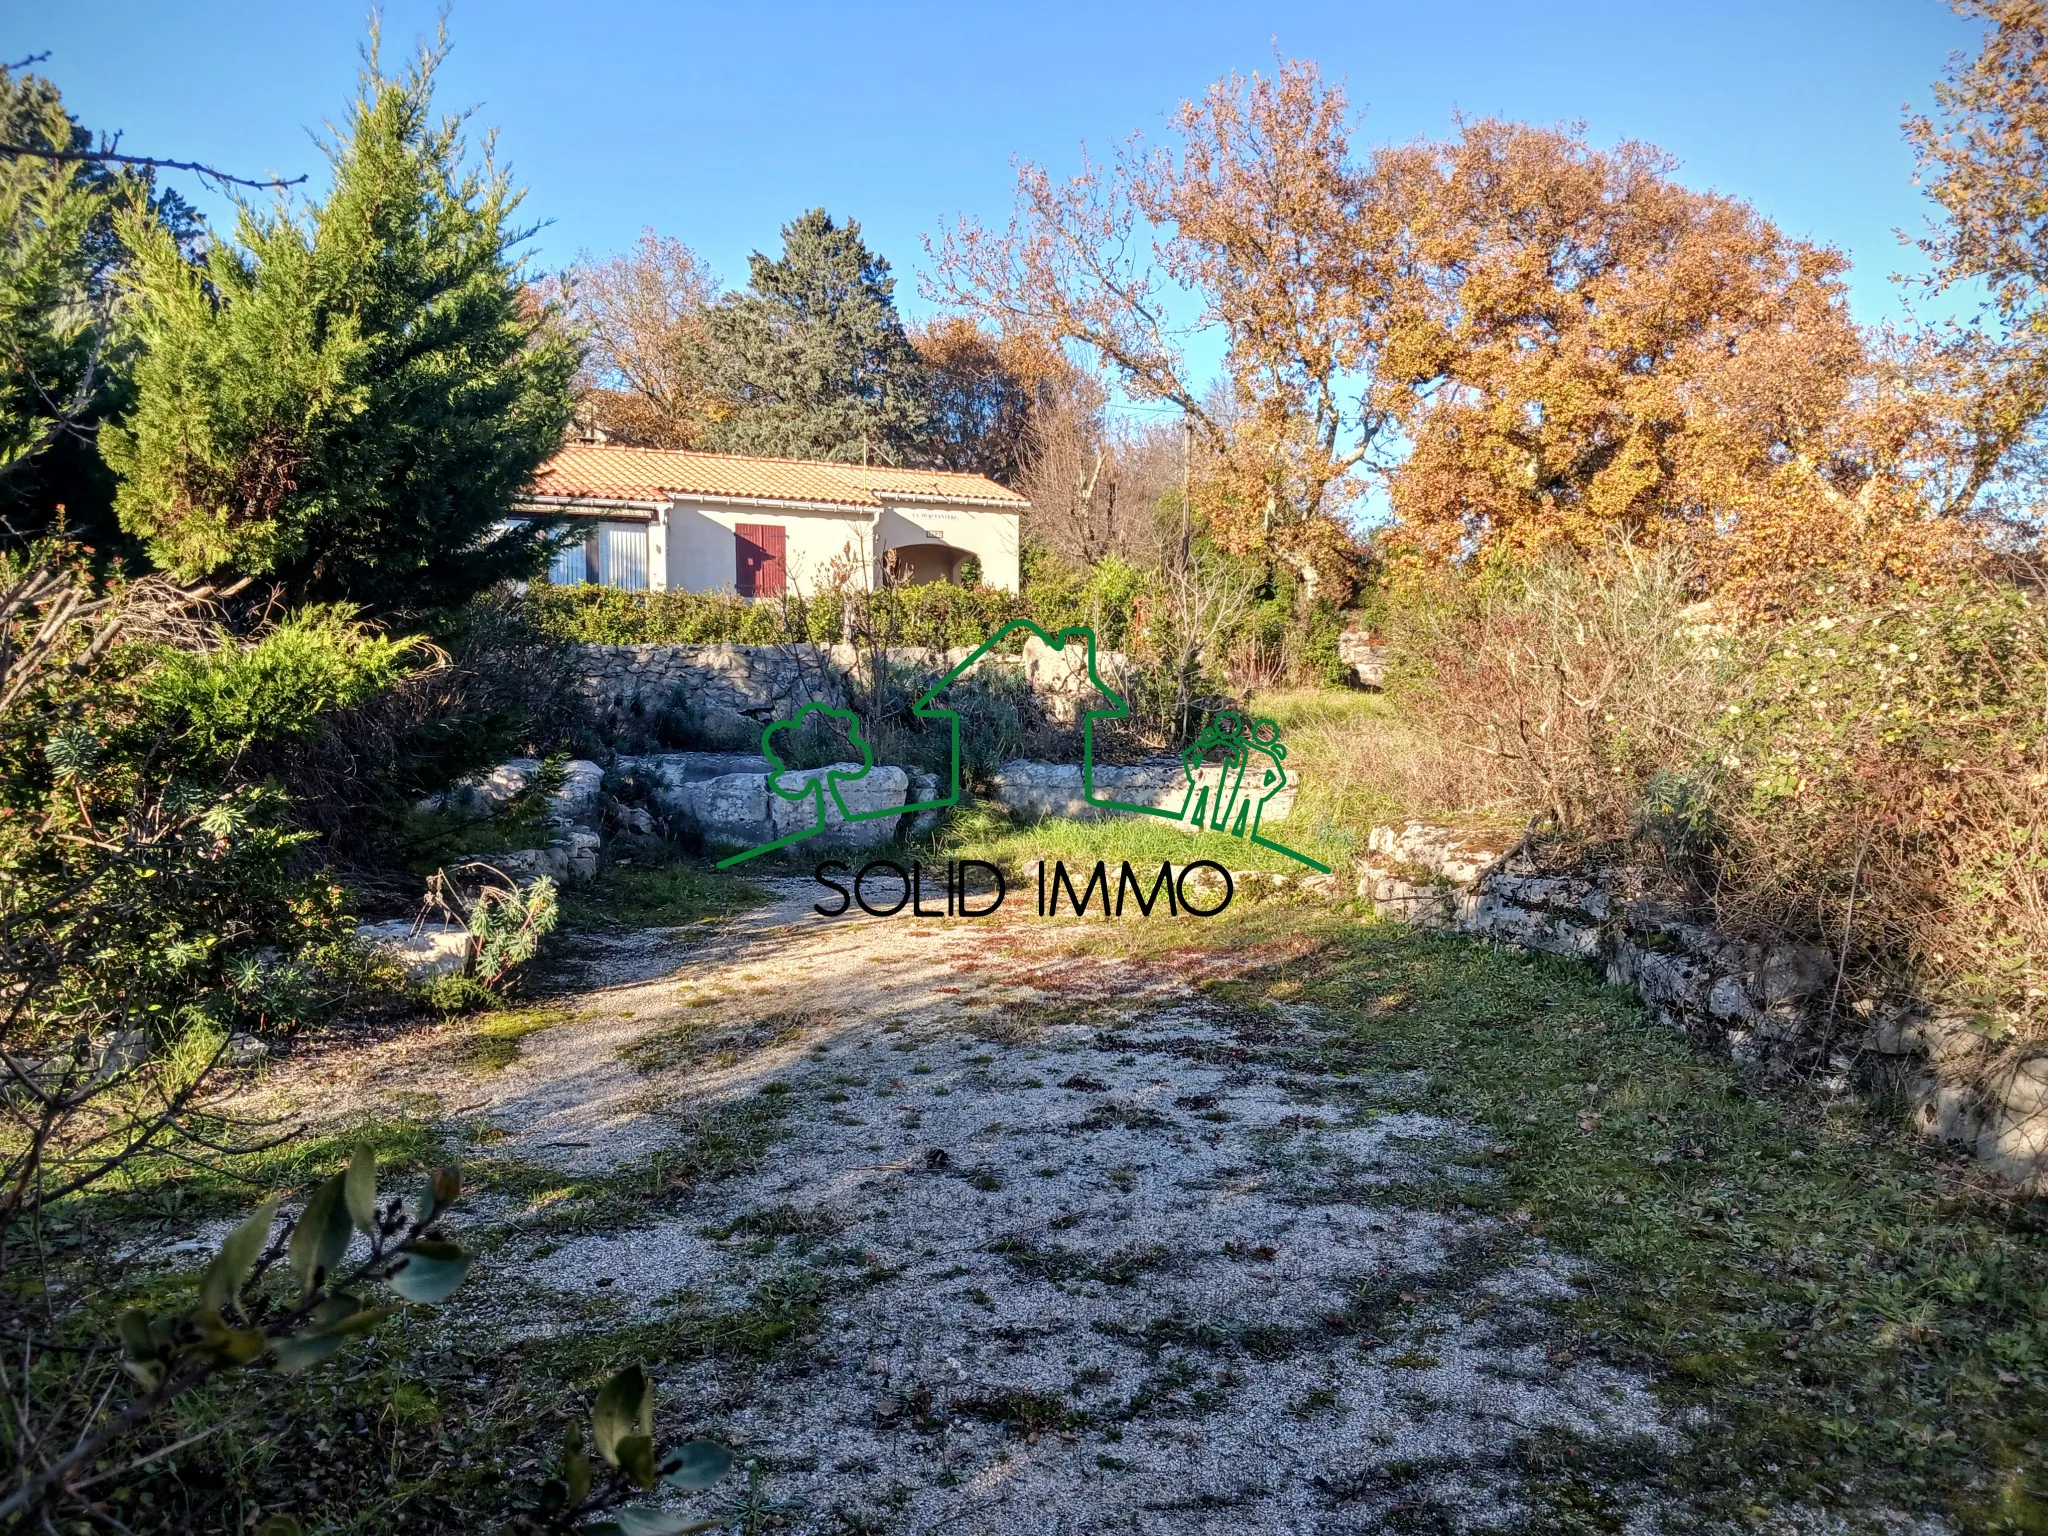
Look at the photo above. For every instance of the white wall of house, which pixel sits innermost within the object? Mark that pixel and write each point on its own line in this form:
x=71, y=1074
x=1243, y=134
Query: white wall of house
x=701, y=556
x=689, y=547
x=990, y=536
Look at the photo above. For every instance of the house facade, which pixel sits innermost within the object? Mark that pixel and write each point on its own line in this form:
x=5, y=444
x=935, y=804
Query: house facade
x=664, y=519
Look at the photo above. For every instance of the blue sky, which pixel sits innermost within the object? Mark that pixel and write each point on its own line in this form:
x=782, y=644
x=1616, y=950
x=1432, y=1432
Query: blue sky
x=715, y=124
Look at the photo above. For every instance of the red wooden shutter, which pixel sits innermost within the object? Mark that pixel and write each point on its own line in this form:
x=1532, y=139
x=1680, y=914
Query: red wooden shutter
x=747, y=554
x=758, y=550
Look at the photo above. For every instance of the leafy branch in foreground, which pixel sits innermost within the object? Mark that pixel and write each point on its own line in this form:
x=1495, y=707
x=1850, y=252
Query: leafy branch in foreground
x=622, y=1427
x=239, y=1321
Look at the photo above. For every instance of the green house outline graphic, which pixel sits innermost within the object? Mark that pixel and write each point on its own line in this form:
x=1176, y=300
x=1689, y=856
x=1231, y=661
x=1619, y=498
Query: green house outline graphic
x=1226, y=812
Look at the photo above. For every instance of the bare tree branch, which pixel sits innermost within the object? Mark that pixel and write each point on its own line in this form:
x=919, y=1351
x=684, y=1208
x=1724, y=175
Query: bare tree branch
x=111, y=157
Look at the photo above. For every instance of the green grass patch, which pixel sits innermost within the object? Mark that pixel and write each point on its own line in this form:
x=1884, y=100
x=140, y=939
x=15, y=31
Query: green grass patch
x=657, y=896
x=985, y=832
x=492, y=1043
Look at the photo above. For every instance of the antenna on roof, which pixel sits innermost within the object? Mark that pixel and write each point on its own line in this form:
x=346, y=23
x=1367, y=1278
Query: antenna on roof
x=863, y=450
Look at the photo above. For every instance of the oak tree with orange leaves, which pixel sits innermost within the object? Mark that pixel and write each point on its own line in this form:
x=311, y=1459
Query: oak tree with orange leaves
x=1584, y=346
x=1531, y=342
x=1984, y=159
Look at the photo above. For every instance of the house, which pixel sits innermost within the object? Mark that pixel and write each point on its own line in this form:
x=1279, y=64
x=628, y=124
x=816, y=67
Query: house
x=662, y=519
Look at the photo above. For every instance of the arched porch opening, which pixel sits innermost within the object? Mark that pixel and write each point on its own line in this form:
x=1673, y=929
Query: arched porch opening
x=920, y=564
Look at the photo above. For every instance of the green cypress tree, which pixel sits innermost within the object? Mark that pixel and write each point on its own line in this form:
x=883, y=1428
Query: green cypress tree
x=812, y=360
x=63, y=350
x=348, y=398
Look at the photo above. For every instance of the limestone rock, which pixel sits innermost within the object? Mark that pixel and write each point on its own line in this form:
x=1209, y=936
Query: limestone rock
x=575, y=804
x=718, y=695
x=923, y=787
x=437, y=950
x=736, y=810
x=1367, y=660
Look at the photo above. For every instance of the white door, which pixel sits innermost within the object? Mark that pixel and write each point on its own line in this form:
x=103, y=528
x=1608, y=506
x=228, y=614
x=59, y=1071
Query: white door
x=622, y=555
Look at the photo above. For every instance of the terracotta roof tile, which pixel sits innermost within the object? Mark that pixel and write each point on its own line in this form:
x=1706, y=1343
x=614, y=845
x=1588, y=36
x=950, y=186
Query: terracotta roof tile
x=608, y=472
x=930, y=485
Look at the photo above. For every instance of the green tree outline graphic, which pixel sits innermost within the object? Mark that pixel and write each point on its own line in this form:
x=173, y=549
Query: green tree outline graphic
x=927, y=708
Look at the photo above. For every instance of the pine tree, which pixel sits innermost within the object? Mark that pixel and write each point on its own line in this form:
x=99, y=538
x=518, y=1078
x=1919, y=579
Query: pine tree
x=812, y=360
x=63, y=351
x=348, y=398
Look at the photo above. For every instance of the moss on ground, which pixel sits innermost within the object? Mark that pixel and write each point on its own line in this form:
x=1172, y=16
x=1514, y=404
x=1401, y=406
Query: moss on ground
x=656, y=896
x=491, y=1043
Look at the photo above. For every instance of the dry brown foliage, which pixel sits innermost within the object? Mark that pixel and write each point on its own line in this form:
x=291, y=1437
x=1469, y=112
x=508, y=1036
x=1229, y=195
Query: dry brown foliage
x=1868, y=778
x=1097, y=492
x=1557, y=687
x=645, y=379
x=1535, y=342
x=1592, y=347
x=1256, y=218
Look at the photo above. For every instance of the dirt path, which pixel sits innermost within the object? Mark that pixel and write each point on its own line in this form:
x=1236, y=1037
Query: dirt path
x=1078, y=1251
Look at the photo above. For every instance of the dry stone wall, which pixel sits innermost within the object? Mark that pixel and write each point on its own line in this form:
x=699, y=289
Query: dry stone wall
x=713, y=696
x=718, y=697
x=1774, y=1006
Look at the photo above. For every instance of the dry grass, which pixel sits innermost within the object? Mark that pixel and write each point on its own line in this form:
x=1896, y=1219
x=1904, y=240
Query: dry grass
x=1872, y=779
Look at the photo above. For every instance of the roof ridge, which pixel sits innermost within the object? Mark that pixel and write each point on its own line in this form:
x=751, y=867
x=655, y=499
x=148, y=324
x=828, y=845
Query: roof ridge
x=743, y=458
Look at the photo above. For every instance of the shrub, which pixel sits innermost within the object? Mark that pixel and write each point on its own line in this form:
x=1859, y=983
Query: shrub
x=1871, y=779
x=1560, y=686
x=934, y=615
x=150, y=904
x=285, y=1301
x=215, y=704
x=1885, y=773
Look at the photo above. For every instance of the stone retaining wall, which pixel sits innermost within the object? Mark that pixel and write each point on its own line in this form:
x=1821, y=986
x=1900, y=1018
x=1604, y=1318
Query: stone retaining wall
x=713, y=696
x=718, y=697
x=1772, y=1006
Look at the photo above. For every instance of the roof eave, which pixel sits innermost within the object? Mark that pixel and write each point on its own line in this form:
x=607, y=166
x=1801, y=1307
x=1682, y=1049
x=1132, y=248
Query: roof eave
x=586, y=503
x=866, y=509
x=980, y=503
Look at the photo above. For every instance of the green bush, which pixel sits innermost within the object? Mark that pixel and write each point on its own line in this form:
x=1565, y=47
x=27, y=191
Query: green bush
x=216, y=704
x=1116, y=599
x=936, y=615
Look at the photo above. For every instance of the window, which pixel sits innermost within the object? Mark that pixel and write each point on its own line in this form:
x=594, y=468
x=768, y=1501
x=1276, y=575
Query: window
x=570, y=567
x=622, y=555
x=758, y=551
